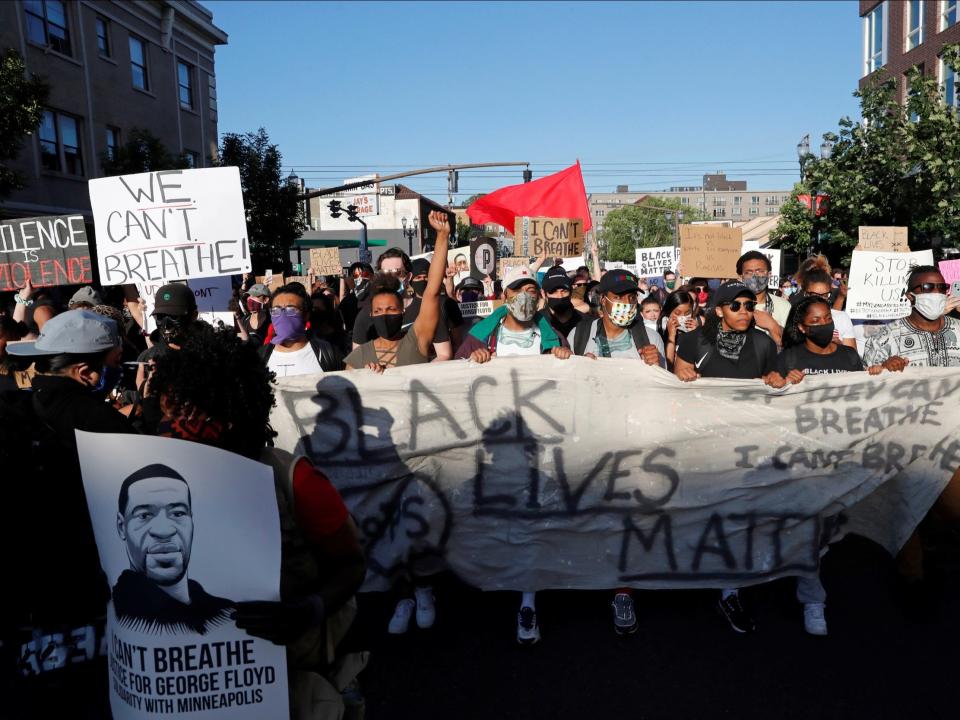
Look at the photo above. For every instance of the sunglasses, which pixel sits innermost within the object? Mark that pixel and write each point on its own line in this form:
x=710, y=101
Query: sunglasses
x=931, y=287
x=737, y=304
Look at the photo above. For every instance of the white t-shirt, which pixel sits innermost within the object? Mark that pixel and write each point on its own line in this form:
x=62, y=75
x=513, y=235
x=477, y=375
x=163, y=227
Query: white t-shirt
x=621, y=346
x=516, y=344
x=299, y=362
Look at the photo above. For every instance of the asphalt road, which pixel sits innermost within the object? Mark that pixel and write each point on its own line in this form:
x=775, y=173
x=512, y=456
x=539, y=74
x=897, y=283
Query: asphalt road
x=890, y=654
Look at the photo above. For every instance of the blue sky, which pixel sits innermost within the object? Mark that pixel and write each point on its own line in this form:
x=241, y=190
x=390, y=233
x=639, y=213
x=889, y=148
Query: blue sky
x=649, y=94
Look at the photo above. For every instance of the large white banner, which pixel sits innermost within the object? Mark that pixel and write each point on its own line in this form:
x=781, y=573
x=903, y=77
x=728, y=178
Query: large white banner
x=878, y=283
x=535, y=473
x=184, y=532
x=169, y=225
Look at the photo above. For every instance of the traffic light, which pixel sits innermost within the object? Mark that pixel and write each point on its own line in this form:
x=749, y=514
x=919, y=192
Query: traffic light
x=527, y=175
x=335, y=209
x=453, y=180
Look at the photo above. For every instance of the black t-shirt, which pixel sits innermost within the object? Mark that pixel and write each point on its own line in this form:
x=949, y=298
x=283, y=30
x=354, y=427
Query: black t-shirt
x=844, y=359
x=757, y=357
x=363, y=329
x=564, y=327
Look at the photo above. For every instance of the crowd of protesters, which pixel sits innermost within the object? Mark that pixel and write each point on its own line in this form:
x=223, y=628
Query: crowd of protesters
x=89, y=364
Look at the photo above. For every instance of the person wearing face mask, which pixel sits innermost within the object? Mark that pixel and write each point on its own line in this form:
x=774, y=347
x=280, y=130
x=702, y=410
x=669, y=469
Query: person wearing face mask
x=326, y=322
x=701, y=291
x=293, y=350
x=256, y=313
x=729, y=346
x=175, y=312
x=578, y=294
x=771, y=313
x=393, y=347
x=817, y=283
x=559, y=307
x=354, y=291
x=619, y=331
x=810, y=344
x=680, y=314
x=927, y=337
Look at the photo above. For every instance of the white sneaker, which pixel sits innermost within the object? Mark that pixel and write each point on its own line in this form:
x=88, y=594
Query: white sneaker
x=528, y=631
x=426, y=610
x=814, y=621
x=400, y=622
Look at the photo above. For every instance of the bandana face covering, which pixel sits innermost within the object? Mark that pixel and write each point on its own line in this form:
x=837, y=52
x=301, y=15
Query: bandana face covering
x=286, y=328
x=522, y=306
x=730, y=343
x=621, y=314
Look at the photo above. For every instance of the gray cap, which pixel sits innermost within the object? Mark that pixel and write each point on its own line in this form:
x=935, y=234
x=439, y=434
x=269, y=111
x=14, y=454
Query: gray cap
x=85, y=294
x=77, y=332
x=259, y=290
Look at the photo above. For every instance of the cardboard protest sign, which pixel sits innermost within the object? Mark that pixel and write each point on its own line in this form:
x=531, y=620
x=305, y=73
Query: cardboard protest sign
x=273, y=282
x=882, y=239
x=505, y=263
x=710, y=251
x=878, y=282
x=304, y=280
x=481, y=308
x=49, y=250
x=326, y=261
x=483, y=253
x=169, y=225
x=555, y=237
x=557, y=460
x=184, y=531
x=655, y=261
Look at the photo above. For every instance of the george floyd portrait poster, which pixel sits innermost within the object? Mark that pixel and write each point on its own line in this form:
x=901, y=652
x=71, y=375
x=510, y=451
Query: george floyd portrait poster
x=184, y=532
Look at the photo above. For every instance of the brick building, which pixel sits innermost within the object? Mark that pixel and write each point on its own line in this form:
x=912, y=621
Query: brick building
x=901, y=34
x=111, y=67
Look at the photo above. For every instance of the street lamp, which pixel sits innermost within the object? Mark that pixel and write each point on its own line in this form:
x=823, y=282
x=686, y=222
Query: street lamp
x=411, y=232
x=805, y=156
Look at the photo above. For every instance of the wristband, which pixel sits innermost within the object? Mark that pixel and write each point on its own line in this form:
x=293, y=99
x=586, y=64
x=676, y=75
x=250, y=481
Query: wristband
x=20, y=301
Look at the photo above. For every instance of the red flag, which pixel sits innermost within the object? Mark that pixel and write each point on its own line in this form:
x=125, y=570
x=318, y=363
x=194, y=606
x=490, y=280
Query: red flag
x=560, y=195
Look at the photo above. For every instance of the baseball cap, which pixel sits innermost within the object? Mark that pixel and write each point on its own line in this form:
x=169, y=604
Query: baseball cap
x=259, y=290
x=557, y=282
x=420, y=266
x=78, y=332
x=517, y=276
x=556, y=270
x=174, y=299
x=85, y=294
x=618, y=282
x=730, y=291
x=470, y=283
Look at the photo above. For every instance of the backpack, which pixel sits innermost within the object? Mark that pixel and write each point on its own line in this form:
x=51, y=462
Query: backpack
x=581, y=334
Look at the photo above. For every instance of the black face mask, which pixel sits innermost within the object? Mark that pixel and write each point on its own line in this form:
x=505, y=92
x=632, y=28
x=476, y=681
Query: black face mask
x=469, y=297
x=418, y=286
x=388, y=326
x=561, y=304
x=171, y=327
x=821, y=335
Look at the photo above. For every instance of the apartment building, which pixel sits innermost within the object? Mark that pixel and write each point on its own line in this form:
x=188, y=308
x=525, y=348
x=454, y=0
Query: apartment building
x=111, y=67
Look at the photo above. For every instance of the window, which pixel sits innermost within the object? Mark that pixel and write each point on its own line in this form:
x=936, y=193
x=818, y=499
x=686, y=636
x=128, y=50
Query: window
x=185, y=82
x=684, y=200
x=948, y=13
x=948, y=79
x=735, y=211
x=754, y=199
x=914, y=10
x=771, y=211
x=47, y=24
x=60, y=143
x=103, y=37
x=737, y=199
x=874, y=39
x=192, y=158
x=719, y=212
x=754, y=211
x=138, y=63
x=112, y=142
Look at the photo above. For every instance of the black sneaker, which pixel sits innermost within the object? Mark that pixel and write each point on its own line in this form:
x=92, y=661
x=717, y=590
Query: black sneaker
x=740, y=620
x=528, y=631
x=624, y=616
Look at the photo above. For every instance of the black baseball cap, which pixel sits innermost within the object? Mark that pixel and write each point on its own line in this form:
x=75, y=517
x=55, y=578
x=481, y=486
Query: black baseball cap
x=556, y=271
x=174, y=299
x=618, y=282
x=420, y=266
x=469, y=283
x=730, y=291
x=556, y=282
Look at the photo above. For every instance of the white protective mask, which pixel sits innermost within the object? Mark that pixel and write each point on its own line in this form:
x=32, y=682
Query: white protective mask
x=930, y=305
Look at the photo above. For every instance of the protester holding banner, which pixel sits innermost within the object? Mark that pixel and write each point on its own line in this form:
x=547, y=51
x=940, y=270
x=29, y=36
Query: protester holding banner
x=817, y=283
x=754, y=269
x=393, y=347
x=679, y=315
x=926, y=337
x=216, y=392
x=558, y=307
x=293, y=350
x=810, y=343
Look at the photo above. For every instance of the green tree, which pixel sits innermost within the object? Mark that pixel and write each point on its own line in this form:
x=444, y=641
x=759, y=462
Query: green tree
x=463, y=233
x=900, y=166
x=642, y=225
x=142, y=152
x=275, y=215
x=22, y=98
x=472, y=199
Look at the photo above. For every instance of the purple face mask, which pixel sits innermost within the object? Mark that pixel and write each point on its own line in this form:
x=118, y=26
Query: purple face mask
x=287, y=327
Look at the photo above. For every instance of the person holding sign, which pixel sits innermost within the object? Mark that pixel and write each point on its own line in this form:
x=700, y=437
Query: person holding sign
x=730, y=346
x=926, y=337
x=754, y=269
x=393, y=347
